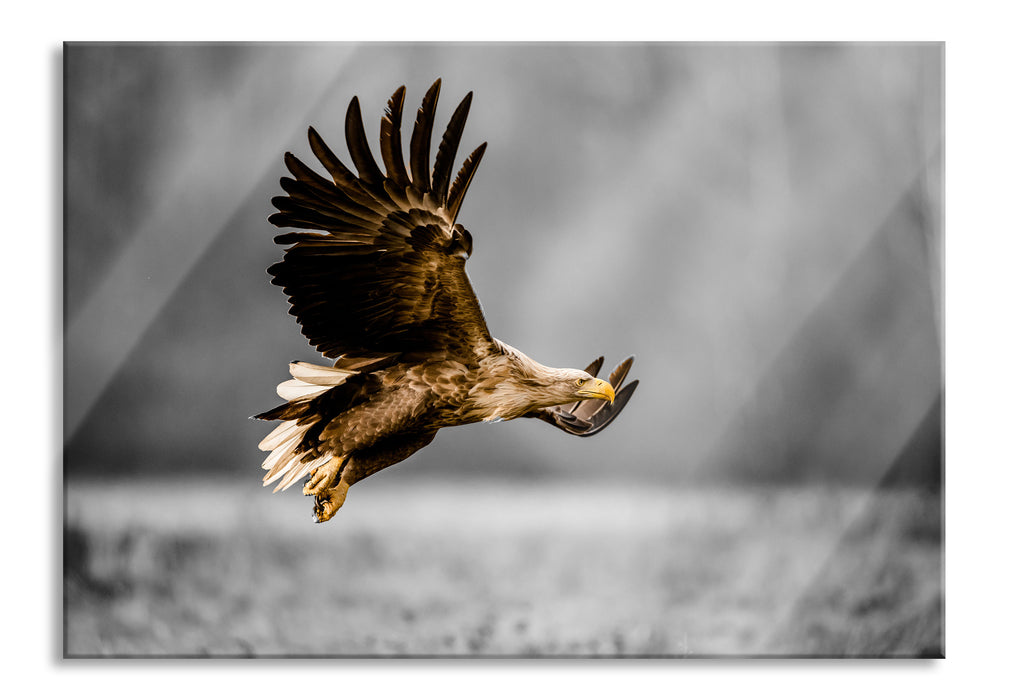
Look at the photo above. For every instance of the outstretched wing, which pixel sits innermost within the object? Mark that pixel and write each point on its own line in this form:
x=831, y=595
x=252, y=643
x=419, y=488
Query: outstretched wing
x=588, y=417
x=382, y=266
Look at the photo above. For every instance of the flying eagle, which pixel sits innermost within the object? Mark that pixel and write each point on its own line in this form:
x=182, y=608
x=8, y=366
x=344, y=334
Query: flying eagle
x=378, y=284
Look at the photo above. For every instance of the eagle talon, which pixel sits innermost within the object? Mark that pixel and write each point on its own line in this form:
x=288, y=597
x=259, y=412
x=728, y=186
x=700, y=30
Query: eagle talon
x=322, y=478
x=319, y=509
x=328, y=502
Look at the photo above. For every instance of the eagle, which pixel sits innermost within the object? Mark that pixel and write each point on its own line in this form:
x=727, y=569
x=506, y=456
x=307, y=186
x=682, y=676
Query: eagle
x=375, y=276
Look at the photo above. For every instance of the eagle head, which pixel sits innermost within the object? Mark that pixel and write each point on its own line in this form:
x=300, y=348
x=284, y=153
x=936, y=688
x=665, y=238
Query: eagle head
x=516, y=384
x=588, y=387
x=555, y=387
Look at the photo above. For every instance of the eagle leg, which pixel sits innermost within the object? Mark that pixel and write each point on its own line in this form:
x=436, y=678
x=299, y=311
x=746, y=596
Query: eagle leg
x=329, y=501
x=322, y=478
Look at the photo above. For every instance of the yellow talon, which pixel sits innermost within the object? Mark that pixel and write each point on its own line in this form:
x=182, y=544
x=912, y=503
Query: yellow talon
x=327, y=503
x=323, y=477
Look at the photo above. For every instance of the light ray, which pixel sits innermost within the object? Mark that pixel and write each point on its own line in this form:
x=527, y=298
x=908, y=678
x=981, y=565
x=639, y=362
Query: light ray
x=214, y=167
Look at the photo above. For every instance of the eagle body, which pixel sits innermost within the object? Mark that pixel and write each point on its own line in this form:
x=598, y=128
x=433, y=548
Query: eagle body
x=378, y=284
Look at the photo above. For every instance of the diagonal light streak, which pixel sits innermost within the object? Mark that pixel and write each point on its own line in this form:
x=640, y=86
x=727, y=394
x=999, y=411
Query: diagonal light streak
x=887, y=447
x=812, y=569
x=213, y=170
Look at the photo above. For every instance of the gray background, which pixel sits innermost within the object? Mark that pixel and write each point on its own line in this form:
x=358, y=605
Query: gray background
x=761, y=225
x=758, y=224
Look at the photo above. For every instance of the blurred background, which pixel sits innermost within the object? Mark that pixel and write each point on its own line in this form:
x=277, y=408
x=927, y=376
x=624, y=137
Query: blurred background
x=764, y=223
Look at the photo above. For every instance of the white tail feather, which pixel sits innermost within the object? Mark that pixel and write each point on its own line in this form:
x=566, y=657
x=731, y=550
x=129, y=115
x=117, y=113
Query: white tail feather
x=303, y=469
x=290, y=476
x=279, y=456
x=282, y=469
x=282, y=463
x=319, y=375
x=281, y=472
x=279, y=435
x=297, y=390
x=297, y=471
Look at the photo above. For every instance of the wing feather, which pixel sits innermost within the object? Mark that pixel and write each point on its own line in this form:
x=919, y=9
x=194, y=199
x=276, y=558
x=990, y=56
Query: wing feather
x=391, y=142
x=445, y=159
x=357, y=143
x=462, y=181
x=378, y=266
x=309, y=177
x=420, y=142
x=341, y=173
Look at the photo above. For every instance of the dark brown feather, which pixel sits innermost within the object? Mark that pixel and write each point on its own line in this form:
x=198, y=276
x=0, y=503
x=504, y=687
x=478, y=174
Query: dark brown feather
x=595, y=366
x=340, y=172
x=352, y=200
x=309, y=177
x=420, y=143
x=445, y=159
x=390, y=141
x=357, y=144
x=389, y=451
x=618, y=375
x=462, y=181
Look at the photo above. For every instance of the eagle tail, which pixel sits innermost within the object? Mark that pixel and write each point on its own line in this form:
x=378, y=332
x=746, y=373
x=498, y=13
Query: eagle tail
x=288, y=460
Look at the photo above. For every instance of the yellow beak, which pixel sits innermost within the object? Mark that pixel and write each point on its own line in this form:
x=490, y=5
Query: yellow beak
x=596, y=389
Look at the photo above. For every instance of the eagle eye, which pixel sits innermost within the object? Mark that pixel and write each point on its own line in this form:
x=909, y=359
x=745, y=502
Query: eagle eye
x=580, y=382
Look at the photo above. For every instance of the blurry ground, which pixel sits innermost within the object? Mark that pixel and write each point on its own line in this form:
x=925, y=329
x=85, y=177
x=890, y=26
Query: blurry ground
x=412, y=567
